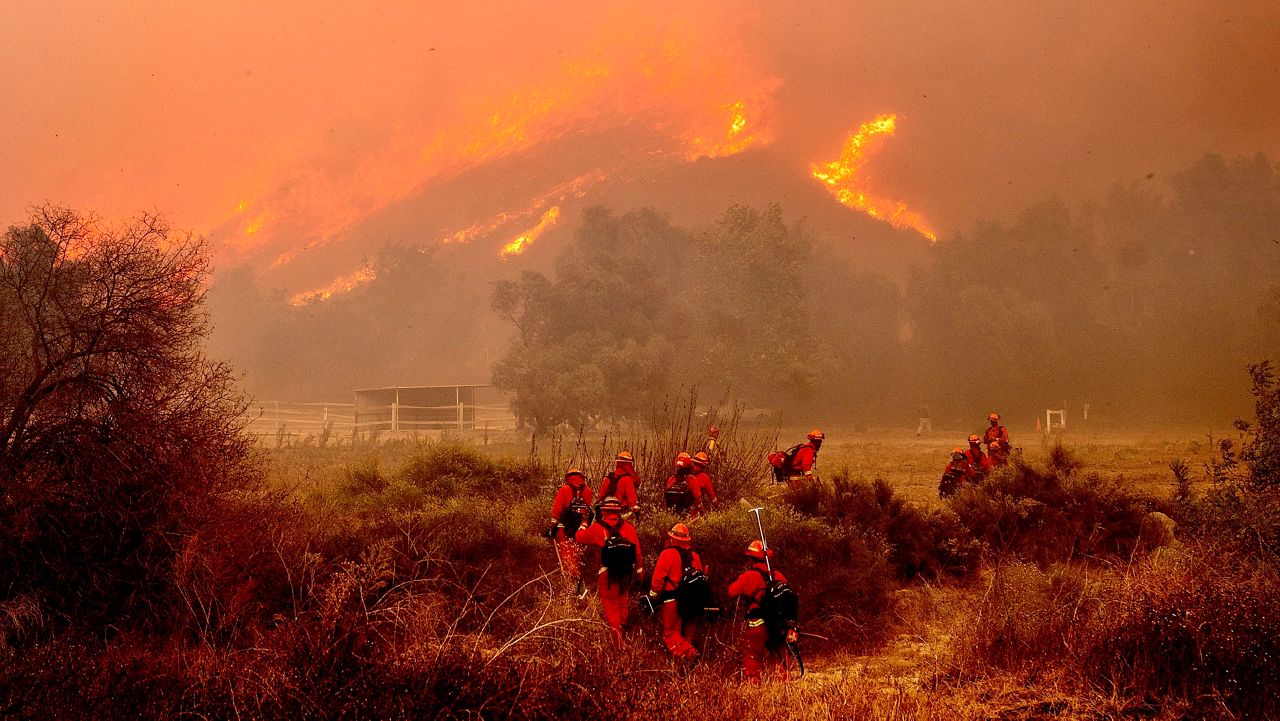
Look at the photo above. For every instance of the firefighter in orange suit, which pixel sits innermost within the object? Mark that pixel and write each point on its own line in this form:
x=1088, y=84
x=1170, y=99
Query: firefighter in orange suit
x=997, y=440
x=807, y=456
x=704, y=492
x=621, y=483
x=620, y=562
x=755, y=639
x=677, y=633
x=996, y=432
x=957, y=473
x=998, y=452
x=570, y=511
x=980, y=461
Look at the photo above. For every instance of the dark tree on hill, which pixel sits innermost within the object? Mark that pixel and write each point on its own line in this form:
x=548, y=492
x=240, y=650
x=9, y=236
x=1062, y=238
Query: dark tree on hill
x=117, y=436
x=594, y=343
x=752, y=325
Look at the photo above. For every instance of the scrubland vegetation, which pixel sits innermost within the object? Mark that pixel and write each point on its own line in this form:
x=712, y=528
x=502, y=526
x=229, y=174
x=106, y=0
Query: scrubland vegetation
x=409, y=580
x=157, y=565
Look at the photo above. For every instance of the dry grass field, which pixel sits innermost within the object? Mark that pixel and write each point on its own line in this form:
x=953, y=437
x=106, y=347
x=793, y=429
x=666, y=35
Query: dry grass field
x=992, y=642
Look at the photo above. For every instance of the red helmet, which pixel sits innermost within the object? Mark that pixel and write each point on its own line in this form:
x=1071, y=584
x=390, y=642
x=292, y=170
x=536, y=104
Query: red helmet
x=701, y=459
x=994, y=417
x=714, y=430
x=815, y=435
x=679, y=532
x=974, y=439
x=757, y=551
x=624, y=457
x=610, y=504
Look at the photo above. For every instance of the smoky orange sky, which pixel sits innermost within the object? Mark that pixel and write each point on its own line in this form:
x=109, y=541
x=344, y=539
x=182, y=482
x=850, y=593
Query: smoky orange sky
x=274, y=127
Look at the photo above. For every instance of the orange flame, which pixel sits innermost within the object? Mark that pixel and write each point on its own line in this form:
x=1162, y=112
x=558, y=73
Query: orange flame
x=842, y=179
x=689, y=94
x=735, y=139
x=518, y=246
x=340, y=285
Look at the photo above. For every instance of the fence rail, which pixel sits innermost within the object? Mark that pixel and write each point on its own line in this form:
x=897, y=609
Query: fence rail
x=291, y=423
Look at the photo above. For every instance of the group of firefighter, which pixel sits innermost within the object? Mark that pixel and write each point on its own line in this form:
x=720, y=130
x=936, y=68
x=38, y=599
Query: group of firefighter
x=678, y=591
x=973, y=466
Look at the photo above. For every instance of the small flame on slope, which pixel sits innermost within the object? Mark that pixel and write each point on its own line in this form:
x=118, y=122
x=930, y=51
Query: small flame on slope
x=842, y=179
x=518, y=246
x=340, y=285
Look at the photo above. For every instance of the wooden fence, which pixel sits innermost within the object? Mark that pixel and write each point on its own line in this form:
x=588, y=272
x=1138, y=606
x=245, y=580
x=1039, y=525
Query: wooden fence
x=281, y=423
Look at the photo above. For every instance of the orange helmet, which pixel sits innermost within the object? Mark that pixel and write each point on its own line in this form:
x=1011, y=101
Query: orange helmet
x=679, y=532
x=994, y=444
x=957, y=454
x=815, y=435
x=974, y=439
x=610, y=504
x=574, y=472
x=684, y=460
x=757, y=551
x=625, y=457
x=701, y=458
x=994, y=417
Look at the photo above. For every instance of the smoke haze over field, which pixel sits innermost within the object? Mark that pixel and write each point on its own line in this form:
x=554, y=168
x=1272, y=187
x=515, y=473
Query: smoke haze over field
x=304, y=140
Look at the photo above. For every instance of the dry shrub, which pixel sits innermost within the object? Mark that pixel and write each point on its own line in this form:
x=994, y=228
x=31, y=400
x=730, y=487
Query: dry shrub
x=1052, y=513
x=364, y=476
x=922, y=542
x=1026, y=620
x=449, y=468
x=1203, y=628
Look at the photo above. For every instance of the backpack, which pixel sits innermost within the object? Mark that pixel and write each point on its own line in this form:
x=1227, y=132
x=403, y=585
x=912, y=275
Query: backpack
x=693, y=595
x=577, y=513
x=783, y=462
x=610, y=487
x=618, y=555
x=778, y=606
x=679, y=497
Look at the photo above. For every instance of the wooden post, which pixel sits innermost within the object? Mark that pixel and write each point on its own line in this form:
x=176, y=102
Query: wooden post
x=457, y=398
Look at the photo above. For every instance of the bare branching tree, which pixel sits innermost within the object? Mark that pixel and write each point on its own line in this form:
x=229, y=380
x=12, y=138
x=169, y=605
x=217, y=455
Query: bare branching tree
x=116, y=433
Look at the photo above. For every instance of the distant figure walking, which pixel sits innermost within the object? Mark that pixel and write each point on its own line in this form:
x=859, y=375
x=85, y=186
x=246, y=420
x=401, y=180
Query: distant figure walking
x=926, y=420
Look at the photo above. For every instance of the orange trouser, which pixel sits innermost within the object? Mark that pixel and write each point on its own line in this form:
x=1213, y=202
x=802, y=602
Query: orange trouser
x=756, y=654
x=613, y=598
x=677, y=633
